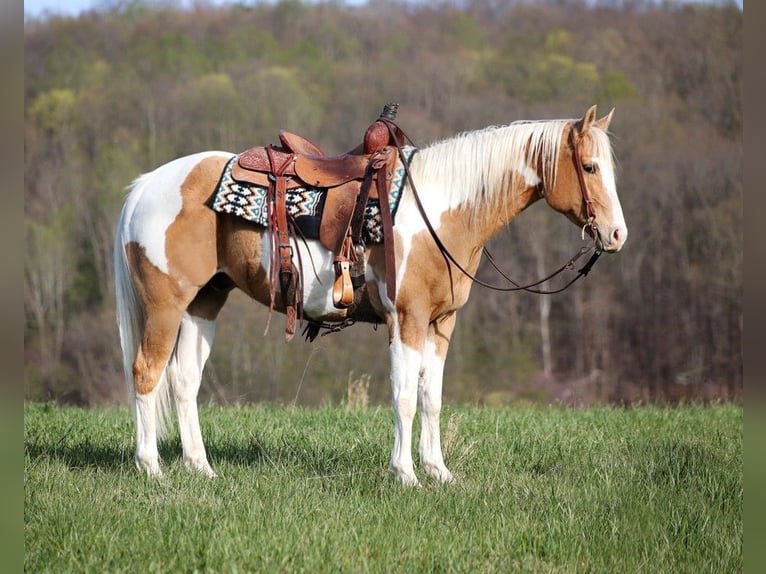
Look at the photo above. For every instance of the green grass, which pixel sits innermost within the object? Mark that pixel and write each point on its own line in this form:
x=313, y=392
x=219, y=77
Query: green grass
x=539, y=490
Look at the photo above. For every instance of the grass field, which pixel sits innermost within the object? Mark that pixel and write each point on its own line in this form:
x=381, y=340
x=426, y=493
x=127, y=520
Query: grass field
x=307, y=490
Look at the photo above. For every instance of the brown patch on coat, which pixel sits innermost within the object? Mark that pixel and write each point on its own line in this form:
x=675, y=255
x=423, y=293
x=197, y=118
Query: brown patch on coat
x=163, y=301
x=190, y=241
x=240, y=246
x=428, y=291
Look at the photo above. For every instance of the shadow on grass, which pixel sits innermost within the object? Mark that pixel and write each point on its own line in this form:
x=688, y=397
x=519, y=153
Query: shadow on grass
x=294, y=454
x=80, y=455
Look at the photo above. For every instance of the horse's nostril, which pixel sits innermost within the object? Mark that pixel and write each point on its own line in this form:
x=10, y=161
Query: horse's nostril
x=616, y=235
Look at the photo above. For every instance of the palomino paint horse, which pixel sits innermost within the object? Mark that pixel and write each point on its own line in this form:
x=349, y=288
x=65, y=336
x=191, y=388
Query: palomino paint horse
x=176, y=260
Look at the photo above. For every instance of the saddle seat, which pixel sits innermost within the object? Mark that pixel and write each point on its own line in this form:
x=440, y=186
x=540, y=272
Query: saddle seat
x=313, y=170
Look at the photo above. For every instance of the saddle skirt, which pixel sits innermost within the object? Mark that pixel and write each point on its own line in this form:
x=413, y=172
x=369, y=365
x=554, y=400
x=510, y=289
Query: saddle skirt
x=305, y=204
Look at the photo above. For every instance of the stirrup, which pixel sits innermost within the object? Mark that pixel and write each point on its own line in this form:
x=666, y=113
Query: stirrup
x=342, y=288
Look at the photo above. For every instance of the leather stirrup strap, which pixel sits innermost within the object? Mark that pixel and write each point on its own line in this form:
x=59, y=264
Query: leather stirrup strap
x=383, y=165
x=357, y=219
x=287, y=271
x=345, y=283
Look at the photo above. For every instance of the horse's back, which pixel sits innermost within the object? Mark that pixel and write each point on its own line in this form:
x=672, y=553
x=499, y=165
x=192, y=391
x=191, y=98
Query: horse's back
x=164, y=182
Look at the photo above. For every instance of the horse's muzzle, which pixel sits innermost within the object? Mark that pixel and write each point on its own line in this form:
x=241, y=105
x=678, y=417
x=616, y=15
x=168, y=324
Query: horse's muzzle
x=613, y=239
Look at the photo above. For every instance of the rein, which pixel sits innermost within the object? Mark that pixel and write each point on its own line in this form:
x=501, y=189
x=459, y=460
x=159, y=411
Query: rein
x=531, y=287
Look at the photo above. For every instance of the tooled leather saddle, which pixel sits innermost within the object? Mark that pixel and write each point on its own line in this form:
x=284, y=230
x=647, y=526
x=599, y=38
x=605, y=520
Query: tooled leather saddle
x=349, y=180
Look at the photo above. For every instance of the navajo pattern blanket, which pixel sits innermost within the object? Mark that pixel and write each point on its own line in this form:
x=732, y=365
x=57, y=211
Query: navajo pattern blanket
x=303, y=204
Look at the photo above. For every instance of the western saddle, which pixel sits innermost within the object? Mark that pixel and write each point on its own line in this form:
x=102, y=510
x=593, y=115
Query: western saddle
x=347, y=181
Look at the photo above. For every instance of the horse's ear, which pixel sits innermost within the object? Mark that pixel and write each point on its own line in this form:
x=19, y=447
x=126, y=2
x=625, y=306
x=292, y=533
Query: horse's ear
x=587, y=121
x=603, y=123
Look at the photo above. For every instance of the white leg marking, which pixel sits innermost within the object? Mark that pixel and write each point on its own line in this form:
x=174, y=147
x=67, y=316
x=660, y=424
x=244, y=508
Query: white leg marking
x=430, y=399
x=195, y=340
x=147, y=456
x=404, y=386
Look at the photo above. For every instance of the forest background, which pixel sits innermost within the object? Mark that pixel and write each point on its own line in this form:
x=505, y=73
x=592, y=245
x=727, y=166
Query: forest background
x=119, y=90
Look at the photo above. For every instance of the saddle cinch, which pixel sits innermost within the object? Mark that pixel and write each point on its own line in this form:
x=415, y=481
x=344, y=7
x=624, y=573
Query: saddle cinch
x=349, y=181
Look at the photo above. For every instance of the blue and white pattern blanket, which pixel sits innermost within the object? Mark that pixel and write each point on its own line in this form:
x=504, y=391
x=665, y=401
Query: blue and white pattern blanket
x=250, y=201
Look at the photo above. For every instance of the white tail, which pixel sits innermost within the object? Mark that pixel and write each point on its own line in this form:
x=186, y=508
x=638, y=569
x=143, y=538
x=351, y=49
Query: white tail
x=129, y=310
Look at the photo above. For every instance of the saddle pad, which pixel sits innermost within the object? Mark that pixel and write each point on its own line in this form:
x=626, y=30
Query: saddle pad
x=250, y=202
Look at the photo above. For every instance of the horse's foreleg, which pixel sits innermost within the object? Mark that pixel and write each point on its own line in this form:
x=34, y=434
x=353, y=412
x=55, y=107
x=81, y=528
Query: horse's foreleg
x=430, y=397
x=405, y=362
x=195, y=339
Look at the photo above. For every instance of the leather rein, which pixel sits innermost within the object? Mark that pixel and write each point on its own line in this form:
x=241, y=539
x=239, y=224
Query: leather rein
x=531, y=287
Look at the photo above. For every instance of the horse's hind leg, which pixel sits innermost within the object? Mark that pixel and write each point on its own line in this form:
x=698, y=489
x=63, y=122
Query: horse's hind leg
x=164, y=302
x=195, y=340
x=150, y=392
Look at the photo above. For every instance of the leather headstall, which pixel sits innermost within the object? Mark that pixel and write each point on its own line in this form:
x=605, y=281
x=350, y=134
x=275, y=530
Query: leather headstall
x=590, y=214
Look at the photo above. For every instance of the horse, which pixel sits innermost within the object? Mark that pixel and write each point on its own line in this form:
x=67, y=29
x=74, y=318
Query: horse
x=176, y=261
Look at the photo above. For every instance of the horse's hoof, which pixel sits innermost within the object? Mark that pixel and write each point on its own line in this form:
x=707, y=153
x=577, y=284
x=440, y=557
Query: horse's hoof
x=150, y=467
x=201, y=466
x=408, y=479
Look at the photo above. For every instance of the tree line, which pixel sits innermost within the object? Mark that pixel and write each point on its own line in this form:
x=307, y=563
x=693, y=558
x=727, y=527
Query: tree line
x=120, y=90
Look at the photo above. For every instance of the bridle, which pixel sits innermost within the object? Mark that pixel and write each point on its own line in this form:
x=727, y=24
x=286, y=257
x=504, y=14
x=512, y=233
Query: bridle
x=590, y=224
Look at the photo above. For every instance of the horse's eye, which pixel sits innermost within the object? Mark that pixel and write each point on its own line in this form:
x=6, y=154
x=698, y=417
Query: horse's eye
x=590, y=168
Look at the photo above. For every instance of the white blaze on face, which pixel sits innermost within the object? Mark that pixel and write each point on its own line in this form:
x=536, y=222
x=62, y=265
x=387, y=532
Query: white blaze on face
x=617, y=222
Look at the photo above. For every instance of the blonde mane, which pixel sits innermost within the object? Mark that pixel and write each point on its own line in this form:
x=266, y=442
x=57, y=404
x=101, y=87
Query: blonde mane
x=493, y=160
x=481, y=167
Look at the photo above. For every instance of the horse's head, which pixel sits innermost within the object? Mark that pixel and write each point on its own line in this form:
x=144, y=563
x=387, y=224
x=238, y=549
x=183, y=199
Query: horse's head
x=584, y=188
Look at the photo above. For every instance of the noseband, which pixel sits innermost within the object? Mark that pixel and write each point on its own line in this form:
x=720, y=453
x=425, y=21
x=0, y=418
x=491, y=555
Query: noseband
x=531, y=287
